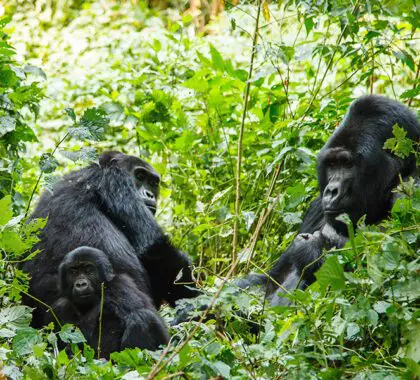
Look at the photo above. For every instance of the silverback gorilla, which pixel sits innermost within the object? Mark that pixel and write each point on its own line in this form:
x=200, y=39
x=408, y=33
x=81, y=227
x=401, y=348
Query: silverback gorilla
x=356, y=176
x=81, y=274
x=110, y=206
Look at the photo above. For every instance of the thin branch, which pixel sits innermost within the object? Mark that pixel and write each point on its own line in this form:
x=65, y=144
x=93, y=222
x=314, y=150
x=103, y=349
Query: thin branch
x=240, y=137
x=50, y=309
x=329, y=63
x=263, y=216
x=101, y=310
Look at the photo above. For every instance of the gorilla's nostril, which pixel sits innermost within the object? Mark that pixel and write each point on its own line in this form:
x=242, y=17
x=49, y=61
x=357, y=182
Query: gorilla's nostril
x=149, y=194
x=81, y=284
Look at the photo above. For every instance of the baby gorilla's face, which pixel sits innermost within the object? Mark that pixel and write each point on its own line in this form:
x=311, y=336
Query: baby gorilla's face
x=84, y=280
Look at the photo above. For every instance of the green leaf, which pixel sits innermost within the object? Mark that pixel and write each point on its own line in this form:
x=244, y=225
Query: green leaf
x=6, y=210
x=70, y=112
x=15, y=317
x=48, y=163
x=63, y=359
x=309, y=24
x=88, y=154
x=399, y=145
x=7, y=124
x=331, y=274
x=411, y=338
x=91, y=126
x=197, y=83
x=381, y=306
x=4, y=20
x=406, y=58
x=218, y=62
x=408, y=94
x=39, y=350
x=114, y=111
x=24, y=340
x=352, y=330
x=71, y=334
x=184, y=355
x=222, y=368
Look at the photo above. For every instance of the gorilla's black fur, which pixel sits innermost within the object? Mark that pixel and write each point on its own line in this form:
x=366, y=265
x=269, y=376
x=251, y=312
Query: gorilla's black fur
x=108, y=206
x=81, y=275
x=356, y=176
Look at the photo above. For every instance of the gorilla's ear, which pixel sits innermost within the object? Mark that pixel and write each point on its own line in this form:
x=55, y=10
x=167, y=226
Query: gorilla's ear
x=105, y=267
x=62, y=280
x=109, y=275
x=108, y=158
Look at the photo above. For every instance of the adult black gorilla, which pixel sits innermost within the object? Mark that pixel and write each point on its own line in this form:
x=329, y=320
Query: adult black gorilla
x=110, y=207
x=356, y=176
x=81, y=275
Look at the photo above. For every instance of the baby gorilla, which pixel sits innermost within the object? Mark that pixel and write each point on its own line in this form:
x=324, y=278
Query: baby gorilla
x=81, y=274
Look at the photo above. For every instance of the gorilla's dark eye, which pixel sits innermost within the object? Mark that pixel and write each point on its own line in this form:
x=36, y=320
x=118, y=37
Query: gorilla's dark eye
x=155, y=180
x=140, y=175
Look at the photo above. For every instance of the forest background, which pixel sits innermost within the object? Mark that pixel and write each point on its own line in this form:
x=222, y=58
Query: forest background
x=231, y=111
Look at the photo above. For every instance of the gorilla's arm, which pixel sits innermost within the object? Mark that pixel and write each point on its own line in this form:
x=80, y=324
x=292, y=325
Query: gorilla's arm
x=162, y=261
x=67, y=312
x=313, y=219
x=170, y=274
x=142, y=326
x=295, y=268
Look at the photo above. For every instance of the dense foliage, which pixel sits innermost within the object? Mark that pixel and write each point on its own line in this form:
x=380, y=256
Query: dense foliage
x=79, y=77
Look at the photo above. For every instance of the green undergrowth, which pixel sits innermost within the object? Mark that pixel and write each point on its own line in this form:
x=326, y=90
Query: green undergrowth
x=80, y=77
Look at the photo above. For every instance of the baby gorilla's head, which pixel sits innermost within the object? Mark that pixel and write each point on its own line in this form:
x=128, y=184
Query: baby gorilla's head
x=81, y=274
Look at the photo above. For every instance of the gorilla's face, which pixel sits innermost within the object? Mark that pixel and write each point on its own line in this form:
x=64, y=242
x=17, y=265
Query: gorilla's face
x=337, y=172
x=145, y=178
x=147, y=182
x=83, y=282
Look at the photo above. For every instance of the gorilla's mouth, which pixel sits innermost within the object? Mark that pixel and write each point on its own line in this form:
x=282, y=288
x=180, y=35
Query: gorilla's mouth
x=335, y=211
x=84, y=296
x=152, y=207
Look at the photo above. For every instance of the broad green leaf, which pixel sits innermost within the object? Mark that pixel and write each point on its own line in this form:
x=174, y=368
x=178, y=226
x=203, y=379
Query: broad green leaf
x=218, y=62
x=88, y=154
x=48, y=163
x=6, y=210
x=7, y=124
x=185, y=355
x=15, y=316
x=309, y=24
x=352, y=330
x=24, y=340
x=71, y=334
x=399, y=145
x=331, y=274
x=92, y=125
x=406, y=58
x=197, y=83
x=411, y=336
